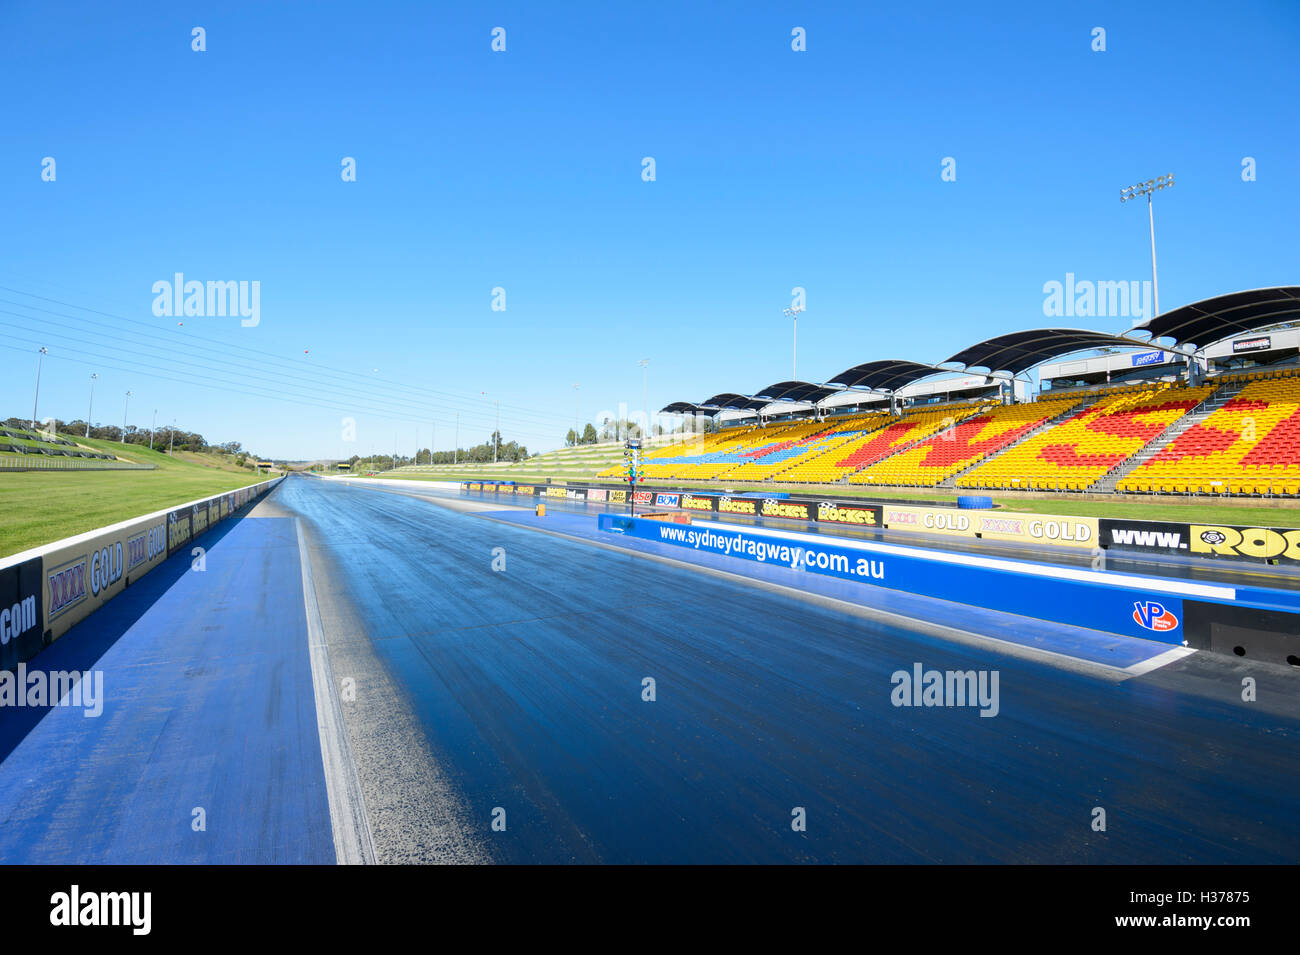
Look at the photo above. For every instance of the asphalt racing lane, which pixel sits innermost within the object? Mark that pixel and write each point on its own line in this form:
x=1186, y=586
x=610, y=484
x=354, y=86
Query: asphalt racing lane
x=528, y=684
x=207, y=705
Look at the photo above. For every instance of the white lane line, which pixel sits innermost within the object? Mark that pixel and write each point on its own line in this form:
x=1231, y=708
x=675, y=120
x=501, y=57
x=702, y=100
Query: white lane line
x=1159, y=660
x=1133, y=581
x=353, y=844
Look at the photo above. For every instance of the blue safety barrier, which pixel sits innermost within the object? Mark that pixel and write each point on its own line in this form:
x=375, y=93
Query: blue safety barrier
x=1128, y=604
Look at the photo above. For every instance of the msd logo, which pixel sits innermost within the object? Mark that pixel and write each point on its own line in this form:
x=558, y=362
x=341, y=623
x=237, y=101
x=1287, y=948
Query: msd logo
x=1153, y=616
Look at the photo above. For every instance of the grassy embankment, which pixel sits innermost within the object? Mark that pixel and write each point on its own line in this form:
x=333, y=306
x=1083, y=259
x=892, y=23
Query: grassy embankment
x=37, y=507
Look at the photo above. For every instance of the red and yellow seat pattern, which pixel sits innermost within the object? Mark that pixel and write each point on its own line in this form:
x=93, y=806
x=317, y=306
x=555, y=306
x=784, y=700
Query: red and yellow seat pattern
x=962, y=445
x=1249, y=446
x=1086, y=446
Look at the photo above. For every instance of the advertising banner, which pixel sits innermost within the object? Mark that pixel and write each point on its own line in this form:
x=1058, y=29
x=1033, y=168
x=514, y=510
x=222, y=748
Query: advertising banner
x=941, y=520
x=597, y=494
x=856, y=515
x=1255, y=543
x=748, y=506
x=22, y=618
x=795, y=510
x=179, y=530
x=698, y=502
x=617, y=497
x=1037, y=528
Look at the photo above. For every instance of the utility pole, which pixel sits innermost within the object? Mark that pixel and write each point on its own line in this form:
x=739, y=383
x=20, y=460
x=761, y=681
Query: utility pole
x=153, y=427
x=91, y=410
x=496, y=438
x=576, y=433
x=1149, y=188
x=171, y=437
x=124, y=411
x=35, y=398
x=455, y=454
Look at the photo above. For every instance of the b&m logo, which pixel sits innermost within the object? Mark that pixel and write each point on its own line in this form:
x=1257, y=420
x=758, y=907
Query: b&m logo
x=1153, y=616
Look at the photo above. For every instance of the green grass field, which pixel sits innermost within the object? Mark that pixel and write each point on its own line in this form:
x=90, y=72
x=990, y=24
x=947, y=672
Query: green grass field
x=37, y=507
x=1209, y=512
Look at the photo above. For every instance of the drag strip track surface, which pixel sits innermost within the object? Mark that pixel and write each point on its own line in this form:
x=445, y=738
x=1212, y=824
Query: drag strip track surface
x=527, y=683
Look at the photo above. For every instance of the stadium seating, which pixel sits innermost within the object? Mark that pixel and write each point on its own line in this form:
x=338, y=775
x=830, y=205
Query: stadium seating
x=1079, y=451
x=967, y=442
x=776, y=457
x=21, y=441
x=1249, y=446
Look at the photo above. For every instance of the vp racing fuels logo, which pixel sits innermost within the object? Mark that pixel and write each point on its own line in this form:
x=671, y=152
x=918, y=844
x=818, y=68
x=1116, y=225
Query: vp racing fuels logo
x=1153, y=616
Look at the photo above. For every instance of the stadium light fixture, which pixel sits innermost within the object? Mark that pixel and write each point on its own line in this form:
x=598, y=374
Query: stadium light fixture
x=36, y=397
x=1148, y=189
x=91, y=410
x=124, y=411
x=793, y=312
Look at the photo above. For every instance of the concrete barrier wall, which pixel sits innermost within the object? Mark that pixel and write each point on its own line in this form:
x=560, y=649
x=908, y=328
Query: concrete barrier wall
x=1246, y=621
x=47, y=590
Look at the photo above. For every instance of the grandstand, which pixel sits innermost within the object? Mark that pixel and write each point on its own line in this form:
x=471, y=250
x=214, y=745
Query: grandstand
x=1249, y=445
x=1218, y=412
x=22, y=449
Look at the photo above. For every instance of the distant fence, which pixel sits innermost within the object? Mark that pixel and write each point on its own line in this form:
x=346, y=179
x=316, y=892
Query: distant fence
x=41, y=462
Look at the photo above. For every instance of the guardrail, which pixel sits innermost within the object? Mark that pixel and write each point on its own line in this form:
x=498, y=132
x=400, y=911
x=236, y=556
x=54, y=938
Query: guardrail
x=46, y=590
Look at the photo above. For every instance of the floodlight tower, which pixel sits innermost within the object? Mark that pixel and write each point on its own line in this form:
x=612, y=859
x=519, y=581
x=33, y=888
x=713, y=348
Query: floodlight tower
x=1149, y=188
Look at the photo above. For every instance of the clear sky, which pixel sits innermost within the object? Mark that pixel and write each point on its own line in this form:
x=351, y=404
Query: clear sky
x=523, y=170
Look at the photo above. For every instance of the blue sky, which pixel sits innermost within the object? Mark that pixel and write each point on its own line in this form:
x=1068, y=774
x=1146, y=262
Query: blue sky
x=522, y=170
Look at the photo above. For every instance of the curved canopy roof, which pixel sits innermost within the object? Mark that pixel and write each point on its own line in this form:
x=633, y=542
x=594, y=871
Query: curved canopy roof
x=1203, y=323
x=888, y=375
x=680, y=407
x=795, y=391
x=1019, y=351
x=730, y=401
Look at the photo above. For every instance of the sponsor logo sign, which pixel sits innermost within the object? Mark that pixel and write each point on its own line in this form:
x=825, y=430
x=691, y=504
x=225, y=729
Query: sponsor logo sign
x=738, y=505
x=943, y=520
x=694, y=502
x=576, y=493
x=833, y=513
x=178, y=531
x=643, y=497
x=667, y=500
x=1149, y=358
x=618, y=497
x=1143, y=535
x=67, y=586
x=1260, y=543
x=198, y=519
x=105, y=567
x=1151, y=615
x=1261, y=343
x=22, y=620
x=556, y=492
x=145, y=546
x=523, y=489
x=795, y=510
x=1038, y=529
x=597, y=494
